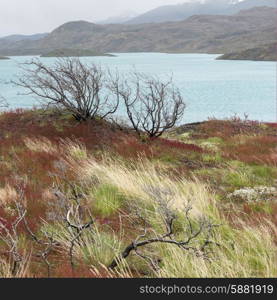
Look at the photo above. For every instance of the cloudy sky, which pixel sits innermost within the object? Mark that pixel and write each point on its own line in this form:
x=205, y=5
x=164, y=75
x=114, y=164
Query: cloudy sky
x=33, y=16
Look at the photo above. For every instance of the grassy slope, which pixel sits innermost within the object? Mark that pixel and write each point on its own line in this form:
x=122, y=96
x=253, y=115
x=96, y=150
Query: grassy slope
x=122, y=180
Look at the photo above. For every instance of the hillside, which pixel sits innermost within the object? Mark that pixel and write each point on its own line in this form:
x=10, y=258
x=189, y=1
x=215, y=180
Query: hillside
x=83, y=194
x=263, y=53
x=173, y=13
x=73, y=53
x=4, y=57
x=198, y=34
x=21, y=37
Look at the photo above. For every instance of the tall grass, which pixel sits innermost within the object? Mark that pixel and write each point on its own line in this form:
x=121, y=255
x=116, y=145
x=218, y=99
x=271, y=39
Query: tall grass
x=122, y=190
x=239, y=252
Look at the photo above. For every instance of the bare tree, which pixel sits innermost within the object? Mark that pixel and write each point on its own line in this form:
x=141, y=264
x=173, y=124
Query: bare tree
x=71, y=85
x=152, y=106
x=3, y=102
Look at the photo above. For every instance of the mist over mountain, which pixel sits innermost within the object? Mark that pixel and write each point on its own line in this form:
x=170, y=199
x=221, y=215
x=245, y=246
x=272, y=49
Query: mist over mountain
x=171, y=13
x=198, y=34
x=119, y=19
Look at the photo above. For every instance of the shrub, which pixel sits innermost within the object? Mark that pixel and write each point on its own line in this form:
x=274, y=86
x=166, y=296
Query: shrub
x=152, y=106
x=70, y=85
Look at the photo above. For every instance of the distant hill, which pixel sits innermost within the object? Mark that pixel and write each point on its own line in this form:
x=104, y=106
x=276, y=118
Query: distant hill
x=73, y=53
x=120, y=19
x=20, y=37
x=262, y=53
x=197, y=34
x=179, y=12
x=17, y=40
x=4, y=57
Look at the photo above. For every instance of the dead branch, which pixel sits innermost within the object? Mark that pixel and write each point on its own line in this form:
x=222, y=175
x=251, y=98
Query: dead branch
x=204, y=229
x=69, y=85
x=152, y=106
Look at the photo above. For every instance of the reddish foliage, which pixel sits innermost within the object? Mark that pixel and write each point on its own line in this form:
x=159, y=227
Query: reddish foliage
x=272, y=125
x=253, y=216
x=131, y=147
x=228, y=128
x=18, y=161
x=176, y=145
x=258, y=149
x=64, y=270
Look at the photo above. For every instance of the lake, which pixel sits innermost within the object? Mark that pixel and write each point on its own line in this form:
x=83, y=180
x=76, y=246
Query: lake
x=211, y=88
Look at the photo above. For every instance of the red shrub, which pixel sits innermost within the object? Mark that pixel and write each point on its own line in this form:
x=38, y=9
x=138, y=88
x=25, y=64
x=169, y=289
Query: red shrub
x=176, y=145
x=257, y=149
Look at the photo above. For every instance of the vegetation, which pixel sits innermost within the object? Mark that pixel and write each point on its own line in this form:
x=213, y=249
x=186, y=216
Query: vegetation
x=152, y=106
x=80, y=89
x=74, y=53
x=89, y=93
x=89, y=199
x=266, y=53
x=4, y=57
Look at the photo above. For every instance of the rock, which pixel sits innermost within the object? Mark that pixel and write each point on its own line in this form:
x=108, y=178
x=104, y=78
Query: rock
x=256, y=194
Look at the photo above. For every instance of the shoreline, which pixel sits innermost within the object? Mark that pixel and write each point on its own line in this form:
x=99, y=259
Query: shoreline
x=219, y=56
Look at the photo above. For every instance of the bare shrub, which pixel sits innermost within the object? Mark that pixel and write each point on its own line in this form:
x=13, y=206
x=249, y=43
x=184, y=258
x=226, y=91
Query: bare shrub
x=152, y=106
x=198, y=235
x=70, y=85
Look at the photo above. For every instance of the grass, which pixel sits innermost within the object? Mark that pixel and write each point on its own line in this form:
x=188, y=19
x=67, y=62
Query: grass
x=106, y=200
x=130, y=188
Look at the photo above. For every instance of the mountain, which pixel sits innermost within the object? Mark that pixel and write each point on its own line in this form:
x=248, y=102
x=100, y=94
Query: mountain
x=173, y=13
x=20, y=37
x=11, y=41
x=120, y=19
x=262, y=53
x=197, y=34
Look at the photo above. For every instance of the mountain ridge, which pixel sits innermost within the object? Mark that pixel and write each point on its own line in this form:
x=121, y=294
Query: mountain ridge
x=20, y=37
x=198, y=34
x=179, y=12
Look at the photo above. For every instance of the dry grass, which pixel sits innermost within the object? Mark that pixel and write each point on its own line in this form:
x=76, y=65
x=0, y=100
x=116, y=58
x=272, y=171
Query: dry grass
x=121, y=180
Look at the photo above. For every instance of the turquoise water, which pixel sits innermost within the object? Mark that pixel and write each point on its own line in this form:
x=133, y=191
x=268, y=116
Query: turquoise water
x=211, y=88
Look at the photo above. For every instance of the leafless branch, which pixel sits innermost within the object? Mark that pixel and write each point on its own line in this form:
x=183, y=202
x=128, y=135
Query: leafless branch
x=152, y=106
x=204, y=229
x=70, y=85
